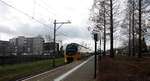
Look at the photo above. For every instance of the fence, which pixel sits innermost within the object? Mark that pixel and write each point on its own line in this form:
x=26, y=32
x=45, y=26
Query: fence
x=24, y=58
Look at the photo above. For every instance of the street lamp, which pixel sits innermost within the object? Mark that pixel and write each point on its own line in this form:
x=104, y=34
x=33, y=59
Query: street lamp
x=55, y=29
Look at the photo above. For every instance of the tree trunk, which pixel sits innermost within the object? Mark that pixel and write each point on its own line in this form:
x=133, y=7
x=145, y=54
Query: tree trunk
x=104, y=31
x=133, y=43
x=111, y=30
x=129, y=33
x=140, y=48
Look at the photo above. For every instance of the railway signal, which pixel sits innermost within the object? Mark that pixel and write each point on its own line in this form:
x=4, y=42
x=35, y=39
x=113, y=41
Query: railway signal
x=95, y=64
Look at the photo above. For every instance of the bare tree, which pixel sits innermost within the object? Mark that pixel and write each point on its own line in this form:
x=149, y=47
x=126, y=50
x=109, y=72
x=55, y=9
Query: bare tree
x=129, y=27
x=100, y=18
x=111, y=30
x=48, y=38
x=105, y=21
x=133, y=28
x=137, y=22
x=104, y=29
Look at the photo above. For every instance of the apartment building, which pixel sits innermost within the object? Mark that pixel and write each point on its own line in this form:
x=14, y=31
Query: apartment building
x=27, y=45
x=5, y=48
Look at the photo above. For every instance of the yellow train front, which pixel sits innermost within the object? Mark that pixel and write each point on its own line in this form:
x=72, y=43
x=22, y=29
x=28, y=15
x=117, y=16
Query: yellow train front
x=74, y=52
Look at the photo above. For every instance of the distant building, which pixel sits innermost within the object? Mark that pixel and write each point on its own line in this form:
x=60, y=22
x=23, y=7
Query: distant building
x=19, y=45
x=49, y=47
x=27, y=46
x=38, y=45
x=5, y=48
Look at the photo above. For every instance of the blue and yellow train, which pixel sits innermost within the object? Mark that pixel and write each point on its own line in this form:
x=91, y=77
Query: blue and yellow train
x=74, y=52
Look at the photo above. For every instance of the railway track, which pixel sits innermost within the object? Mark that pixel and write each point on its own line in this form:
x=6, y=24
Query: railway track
x=53, y=75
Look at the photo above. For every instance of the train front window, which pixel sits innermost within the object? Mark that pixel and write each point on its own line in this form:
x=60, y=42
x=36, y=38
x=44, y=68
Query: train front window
x=71, y=49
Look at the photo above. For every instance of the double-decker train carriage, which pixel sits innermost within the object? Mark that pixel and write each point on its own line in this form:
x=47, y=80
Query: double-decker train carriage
x=74, y=52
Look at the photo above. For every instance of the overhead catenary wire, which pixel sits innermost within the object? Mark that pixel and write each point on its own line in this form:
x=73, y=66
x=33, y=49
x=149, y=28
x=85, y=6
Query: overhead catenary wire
x=31, y=17
x=46, y=5
x=46, y=9
x=34, y=8
x=52, y=9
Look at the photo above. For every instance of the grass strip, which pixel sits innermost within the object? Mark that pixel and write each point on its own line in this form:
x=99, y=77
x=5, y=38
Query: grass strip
x=12, y=71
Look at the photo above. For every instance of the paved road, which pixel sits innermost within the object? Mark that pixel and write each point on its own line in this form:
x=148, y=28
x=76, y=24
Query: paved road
x=78, y=71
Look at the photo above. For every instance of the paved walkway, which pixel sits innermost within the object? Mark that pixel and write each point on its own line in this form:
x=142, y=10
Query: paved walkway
x=84, y=73
x=78, y=71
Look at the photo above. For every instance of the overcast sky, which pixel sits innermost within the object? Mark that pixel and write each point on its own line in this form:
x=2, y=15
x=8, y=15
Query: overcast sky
x=17, y=21
x=30, y=18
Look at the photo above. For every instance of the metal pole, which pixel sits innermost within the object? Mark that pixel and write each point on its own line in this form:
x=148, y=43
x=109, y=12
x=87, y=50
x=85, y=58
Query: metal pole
x=54, y=51
x=100, y=47
x=95, y=64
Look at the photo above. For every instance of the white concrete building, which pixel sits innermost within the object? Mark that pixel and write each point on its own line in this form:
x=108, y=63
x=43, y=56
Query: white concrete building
x=38, y=45
x=27, y=46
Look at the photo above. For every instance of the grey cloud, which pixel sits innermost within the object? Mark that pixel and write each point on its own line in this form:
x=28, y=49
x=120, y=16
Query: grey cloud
x=64, y=32
x=6, y=30
x=4, y=9
x=15, y=18
x=28, y=30
x=75, y=32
